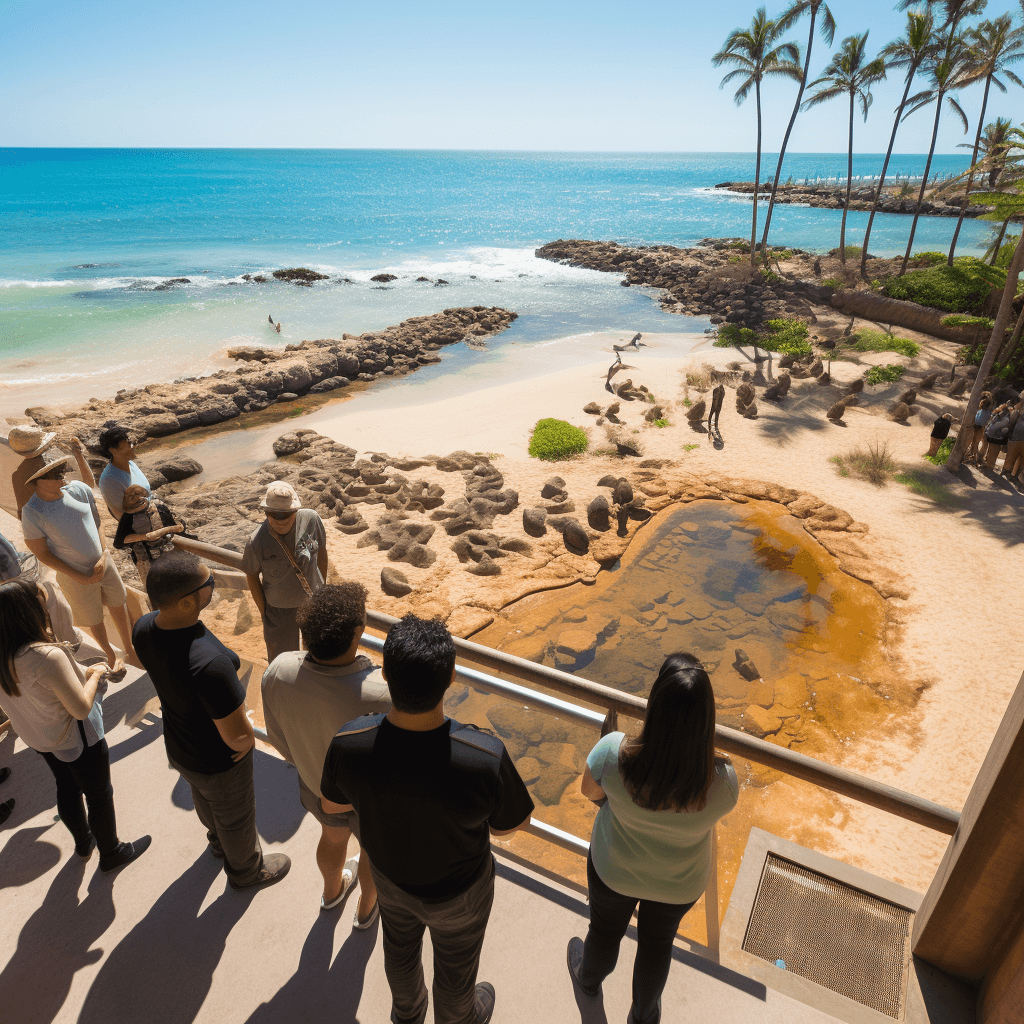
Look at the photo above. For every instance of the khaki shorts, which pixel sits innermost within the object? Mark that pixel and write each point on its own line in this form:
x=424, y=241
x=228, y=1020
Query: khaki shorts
x=311, y=802
x=87, y=599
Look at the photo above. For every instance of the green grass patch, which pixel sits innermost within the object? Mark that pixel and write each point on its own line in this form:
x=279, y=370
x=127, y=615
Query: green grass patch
x=963, y=288
x=730, y=334
x=867, y=340
x=939, y=458
x=661, y=423
x=923, y=484
x=833, y=282
x=963, y=320
x=690, y=447
x=555, y=439
x=781, y=335
x=884, y=374
x=874, y=463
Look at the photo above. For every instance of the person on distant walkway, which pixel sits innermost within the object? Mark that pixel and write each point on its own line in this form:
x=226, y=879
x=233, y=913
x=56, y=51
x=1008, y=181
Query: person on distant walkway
x=138, y=530
x=270, y=319
x=277, y=327
x=1013, y=464
x=62, y=529
x=30, y=443
x=208, y=735
x=16, y=564
x=981, y=418
x=997, y=433
x=115, y=444
x=285, y=562
x=660, y=795
x=427, y=792
x=307, y=697
x=940, y=431
x=717, y=398
x=55, y=708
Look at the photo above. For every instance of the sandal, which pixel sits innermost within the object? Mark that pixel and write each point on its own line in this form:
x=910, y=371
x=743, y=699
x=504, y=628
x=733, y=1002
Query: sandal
x=348, y=878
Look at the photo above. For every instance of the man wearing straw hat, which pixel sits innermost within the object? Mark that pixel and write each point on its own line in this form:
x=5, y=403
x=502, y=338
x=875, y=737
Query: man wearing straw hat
x=285, y=562
x=62, y=529
x=30, y=443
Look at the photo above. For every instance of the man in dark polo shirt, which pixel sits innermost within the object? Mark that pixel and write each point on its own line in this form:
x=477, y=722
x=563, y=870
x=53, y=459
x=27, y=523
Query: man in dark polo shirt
x=428, y=792
x=208, y=736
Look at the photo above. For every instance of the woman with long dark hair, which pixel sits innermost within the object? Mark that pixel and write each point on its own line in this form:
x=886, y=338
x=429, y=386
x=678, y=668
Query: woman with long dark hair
x=54, y=707
x=660, y=795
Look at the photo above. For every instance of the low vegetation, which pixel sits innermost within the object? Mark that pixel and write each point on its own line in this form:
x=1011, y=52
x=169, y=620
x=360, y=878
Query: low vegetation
x=963, y=288
x=873, y=463
x=868, y=340
x=555, y=439
x=924, y=484
x=782, y=335
x=887, y=374
x=939, y=458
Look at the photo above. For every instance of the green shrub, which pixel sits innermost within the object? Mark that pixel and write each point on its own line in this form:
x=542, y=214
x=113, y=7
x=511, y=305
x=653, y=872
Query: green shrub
x=730, y=334
x=1006, y=251
x=833, y=282
x=963, y=288
x=962, y=320
x=661, y=423
x=555, y=439
x=939, y=458
x=867, y=340
x=928, y=259
x=884, y=374
x=786, y=336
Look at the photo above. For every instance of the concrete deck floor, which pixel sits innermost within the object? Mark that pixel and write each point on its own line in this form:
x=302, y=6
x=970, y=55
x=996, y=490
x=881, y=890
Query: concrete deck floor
x=166, y=941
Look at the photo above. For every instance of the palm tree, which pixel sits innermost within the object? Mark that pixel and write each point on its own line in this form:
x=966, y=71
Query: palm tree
x=909, y=52
x=796, y=10
x=995, y=45
x=849, y=73
x=755, y=55
x=995, y=148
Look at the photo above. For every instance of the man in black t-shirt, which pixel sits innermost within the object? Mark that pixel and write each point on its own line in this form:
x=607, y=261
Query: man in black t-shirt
x=208, y=736
x=428, y=792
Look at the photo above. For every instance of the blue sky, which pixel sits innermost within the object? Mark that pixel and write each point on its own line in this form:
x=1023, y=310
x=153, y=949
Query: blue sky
x=445, y=74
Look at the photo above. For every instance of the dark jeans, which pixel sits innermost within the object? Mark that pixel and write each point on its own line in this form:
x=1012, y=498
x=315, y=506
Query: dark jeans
x=457, y=929
x=226, y=805
x=656, y=927
x=88, y=776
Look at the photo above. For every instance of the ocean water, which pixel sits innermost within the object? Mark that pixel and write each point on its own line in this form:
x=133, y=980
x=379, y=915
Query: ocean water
x=91, y=238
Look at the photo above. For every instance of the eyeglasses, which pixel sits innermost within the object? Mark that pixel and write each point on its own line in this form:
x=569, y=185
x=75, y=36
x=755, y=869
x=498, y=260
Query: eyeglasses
x=208, y=582
x=271, y=514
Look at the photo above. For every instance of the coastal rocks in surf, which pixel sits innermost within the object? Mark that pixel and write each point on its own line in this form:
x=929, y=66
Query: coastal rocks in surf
x=267, y=375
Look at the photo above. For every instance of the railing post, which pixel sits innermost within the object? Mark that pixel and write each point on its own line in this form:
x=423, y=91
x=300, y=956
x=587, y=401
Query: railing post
x=711, y=898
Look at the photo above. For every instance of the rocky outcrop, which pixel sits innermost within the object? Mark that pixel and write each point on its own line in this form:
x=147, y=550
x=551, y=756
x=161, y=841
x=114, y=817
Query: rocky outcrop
x=298, y=275
x=268, y=375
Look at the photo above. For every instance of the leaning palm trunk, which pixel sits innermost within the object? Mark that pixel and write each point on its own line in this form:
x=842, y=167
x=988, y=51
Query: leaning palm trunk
x=999, y=242
x=924, y=185
x=991, y=350
x=970, y=177
x=785, y=138
x=885, y=167
x=1010, y=348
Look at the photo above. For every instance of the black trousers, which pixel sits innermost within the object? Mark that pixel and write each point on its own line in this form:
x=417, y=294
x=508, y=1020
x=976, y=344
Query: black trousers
x=86, y=777
x=657, y=924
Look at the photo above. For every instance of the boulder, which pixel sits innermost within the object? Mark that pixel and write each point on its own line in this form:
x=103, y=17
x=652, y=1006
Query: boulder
x=288, y=444
x=394, y=583
x=749, y=411
x=552, y=487
x=928, y=382
x=816, y=368
x=384, y=278
x=958, y=387
x=623, y=493
x=592, y=408
x=330, y=384
x=163, y=424
x=485, y=567
x=745, y=394
x=696, y=411
x=351, y=521
x=575, y=537
x=178, y=467
x=654, y=413
x=533, y=521
x=909, y=397
x=899, y=411
x=836, y=412
x=855, y=387
x=598, y=512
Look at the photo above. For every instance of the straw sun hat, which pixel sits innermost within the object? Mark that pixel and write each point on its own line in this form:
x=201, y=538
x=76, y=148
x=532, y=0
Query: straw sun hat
x=59, y=460
x=29, y=442
x=281, y=497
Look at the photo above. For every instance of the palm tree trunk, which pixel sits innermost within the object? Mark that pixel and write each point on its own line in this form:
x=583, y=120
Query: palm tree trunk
x=988, y=360
x=789, y=131
x=1010, y=348
x=924, y=184
x=885, y=167
x=999, y=242
x=757, y=179
x=849, y=187
x=970, y=179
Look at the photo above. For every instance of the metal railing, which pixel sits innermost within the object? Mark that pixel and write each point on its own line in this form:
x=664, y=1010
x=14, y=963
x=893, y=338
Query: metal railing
x=614, y=702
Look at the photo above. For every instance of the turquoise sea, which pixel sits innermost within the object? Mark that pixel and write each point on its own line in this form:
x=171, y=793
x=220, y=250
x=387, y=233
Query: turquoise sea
x=90, y=239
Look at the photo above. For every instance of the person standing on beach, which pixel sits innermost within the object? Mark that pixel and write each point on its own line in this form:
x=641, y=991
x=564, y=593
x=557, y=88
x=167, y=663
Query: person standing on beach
x=285, y=562
x=115, y=444
x=1013, y=464
x=30, y=443
x=940, y=431
x=61, y=525
x=307, y=697
x=427, y=792
x=208, y=735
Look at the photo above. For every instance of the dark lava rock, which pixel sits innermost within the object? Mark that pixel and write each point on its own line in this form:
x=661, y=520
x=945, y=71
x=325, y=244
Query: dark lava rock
x=298, y=274
x=384, y=278
x=421, y=278
x=533, y=521
x=331, y=384
x=575, y=537
x=485, y=567
x=593, y=408
x=288, y=444
x=351, y=521
x=623, y=491
x=598, y=513
x=552, y=487
x=608, y=481
x=287, y=396
x=178, y=467
x=394, y=583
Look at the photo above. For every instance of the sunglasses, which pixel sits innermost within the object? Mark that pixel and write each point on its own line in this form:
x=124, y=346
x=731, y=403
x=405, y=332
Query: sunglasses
x=280, y=515
x=211, y=583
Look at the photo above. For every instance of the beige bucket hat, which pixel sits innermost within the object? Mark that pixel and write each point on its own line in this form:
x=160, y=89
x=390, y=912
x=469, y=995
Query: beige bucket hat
x=29, y=442
x=60, y=460
x=281, y=497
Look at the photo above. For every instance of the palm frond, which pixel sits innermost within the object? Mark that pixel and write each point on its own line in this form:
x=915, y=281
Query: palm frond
x=960, y=113
x=828, y=25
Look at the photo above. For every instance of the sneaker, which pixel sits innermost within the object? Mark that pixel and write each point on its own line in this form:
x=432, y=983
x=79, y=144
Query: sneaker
x=125, y=854
x=348, y=878
x=574, y=960
x=483, y=1002
x=656, y=1020
x=275, y=867
x=86, y=846
x=5, y=810
x=362, y=923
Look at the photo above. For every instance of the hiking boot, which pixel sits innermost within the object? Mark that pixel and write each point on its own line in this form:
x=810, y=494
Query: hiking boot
x=274, y=868
x=483, y=1002
x=125, y=854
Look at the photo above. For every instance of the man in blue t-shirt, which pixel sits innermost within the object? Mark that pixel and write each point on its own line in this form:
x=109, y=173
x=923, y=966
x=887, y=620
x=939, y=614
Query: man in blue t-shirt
x=428, y=793
x=62, y=529
x=208, y=735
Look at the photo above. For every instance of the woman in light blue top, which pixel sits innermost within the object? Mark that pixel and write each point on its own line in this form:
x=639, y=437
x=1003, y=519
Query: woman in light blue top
x=660, y=795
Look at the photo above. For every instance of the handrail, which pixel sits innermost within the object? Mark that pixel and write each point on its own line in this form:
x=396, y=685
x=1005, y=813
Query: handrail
x=732, y=741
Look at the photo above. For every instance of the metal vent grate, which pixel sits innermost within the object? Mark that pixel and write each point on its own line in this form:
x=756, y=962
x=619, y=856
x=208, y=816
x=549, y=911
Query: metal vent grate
x=832, y=934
